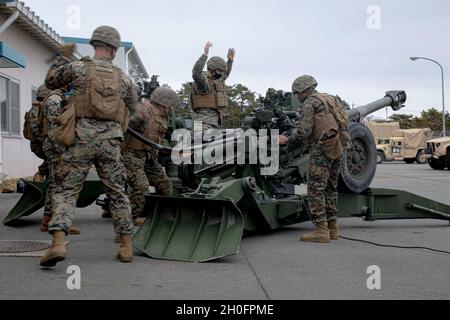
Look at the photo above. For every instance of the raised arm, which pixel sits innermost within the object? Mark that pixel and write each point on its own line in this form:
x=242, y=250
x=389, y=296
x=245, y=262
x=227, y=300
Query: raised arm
x=231, y=55
x=197, y=73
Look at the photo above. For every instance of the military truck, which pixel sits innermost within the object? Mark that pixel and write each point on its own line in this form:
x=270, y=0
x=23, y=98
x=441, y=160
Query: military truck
x=383, y=131
x=404, y=145
x=438, y=153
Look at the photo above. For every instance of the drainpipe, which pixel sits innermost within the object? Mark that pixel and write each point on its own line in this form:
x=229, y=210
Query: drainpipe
x=3, y=27
x=126, y=59
x=9, y=21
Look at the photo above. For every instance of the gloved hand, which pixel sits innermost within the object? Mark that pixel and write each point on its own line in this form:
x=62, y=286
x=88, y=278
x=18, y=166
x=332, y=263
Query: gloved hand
x=68, y=50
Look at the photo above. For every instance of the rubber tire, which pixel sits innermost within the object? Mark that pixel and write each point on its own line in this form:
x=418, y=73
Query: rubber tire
x=418, y=158
x=409, y=160
x=349, y=183
x=447, y=160
x=436, y=164
x=380, y=157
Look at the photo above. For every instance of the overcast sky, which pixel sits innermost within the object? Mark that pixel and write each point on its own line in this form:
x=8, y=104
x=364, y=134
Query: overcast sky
x=341, y=43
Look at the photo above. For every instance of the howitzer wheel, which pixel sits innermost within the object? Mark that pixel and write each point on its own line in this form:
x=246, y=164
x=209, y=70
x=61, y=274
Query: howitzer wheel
x=359, y=163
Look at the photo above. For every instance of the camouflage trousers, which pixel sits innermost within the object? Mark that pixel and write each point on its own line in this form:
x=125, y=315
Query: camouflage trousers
x=53, y=156
x=38, y=150
x=322, y=186
x=210, y=118
x=142, y=171
x=71, y=173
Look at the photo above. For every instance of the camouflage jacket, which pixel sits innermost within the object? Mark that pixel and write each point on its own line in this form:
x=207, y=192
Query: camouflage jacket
x=35, y=126
x=63, y=72
x=138, y=123
x=201, y=78
x=310, y=108
x=52, y=110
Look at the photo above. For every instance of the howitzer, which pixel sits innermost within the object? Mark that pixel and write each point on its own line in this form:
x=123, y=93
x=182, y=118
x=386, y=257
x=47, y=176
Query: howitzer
x=216, y=204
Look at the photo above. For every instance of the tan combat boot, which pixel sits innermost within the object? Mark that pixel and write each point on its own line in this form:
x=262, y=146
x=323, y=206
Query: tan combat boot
x=320, y=235
x=57, y=251
x=334, y=230
x=125, y=250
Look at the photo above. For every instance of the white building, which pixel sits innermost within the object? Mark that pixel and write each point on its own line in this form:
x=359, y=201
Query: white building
x=127, y=57
x=27, y=47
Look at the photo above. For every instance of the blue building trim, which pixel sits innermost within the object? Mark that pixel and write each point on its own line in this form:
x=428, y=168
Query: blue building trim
x=12, y=56
x=126, y=45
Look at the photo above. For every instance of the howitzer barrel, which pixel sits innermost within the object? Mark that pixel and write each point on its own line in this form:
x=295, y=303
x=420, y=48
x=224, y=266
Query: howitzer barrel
x=393, y=99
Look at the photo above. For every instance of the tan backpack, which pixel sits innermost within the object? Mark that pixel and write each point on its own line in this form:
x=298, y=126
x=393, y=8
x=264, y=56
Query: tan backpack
x=35, y=118
x=336, y=108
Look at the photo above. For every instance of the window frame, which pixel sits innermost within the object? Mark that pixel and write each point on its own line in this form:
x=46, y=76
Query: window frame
x=9, y=133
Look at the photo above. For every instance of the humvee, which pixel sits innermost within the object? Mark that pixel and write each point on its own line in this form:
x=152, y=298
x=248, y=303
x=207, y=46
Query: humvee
x=404, y=145
x=438, y=153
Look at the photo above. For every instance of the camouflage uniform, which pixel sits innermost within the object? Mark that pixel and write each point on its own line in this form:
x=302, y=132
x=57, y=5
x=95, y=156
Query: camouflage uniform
x=323, y=172
x=211, y=117
x=141, y=162
x=53, y=150
x=157, y=176
x=98, y=143
x=36, y=145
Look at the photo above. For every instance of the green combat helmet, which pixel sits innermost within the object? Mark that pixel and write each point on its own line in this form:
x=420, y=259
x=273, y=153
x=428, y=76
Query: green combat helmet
x=303, y=83
x=107, y=35
x=217, y=63
x=42, y=93
x=165, y=97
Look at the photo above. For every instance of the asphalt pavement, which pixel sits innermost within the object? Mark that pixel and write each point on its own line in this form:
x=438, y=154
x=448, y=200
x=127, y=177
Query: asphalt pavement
x=269, y=267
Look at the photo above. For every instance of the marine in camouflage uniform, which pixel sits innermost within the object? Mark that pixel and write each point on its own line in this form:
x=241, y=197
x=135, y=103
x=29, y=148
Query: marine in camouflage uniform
x=141, y=161
x=323, y=170
x=209, y=96
x=36, y=144
x=99, y=135
x=53, y=105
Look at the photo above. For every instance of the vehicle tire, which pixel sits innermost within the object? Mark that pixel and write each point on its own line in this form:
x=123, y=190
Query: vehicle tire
x=410, y=160
x=380, y=157
x=436, y=164
x=421, y=159
x=359, y=163
x=447, y=160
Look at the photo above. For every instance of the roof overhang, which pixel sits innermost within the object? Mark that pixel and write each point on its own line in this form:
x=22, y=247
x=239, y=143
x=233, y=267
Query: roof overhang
x=128, y=46
x=31, y=23
x=10, y=58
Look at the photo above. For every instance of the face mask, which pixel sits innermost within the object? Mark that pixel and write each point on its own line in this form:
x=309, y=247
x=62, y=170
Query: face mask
x=217, y=75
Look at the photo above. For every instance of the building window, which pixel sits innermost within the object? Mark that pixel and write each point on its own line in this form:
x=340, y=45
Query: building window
x=10, y=106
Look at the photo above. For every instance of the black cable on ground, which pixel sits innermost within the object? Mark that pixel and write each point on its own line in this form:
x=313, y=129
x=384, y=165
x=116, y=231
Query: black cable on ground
x=394, y=246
